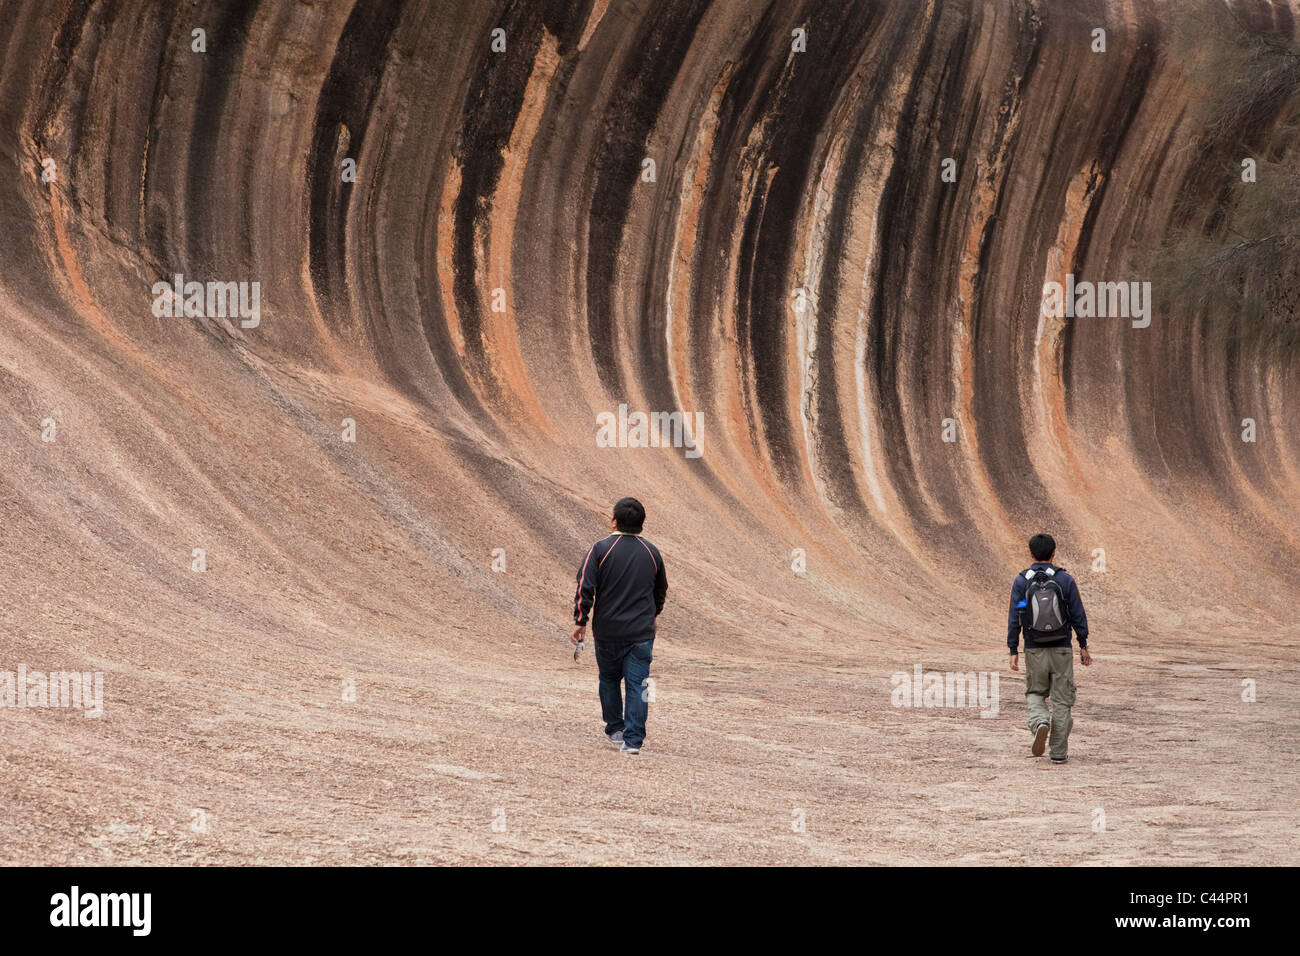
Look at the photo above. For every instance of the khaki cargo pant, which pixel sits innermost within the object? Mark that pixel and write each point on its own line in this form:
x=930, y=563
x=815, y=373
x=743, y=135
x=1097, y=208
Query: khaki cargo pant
x=1049, y=672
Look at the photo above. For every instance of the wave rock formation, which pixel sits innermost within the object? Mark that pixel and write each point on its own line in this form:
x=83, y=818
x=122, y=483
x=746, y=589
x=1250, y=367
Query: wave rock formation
x=479, y=230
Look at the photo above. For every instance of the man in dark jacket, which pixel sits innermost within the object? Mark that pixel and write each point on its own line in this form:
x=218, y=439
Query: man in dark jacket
x=621, y=587
x=1045, y=603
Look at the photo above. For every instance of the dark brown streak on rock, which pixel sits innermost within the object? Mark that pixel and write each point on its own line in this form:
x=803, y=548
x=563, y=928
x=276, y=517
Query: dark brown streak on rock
x=227, y=27
x=1136, y=79
x=346, y=99
x=883, y=355
x=492, y=104
x=992, y=391
x=830, y=437
x=641, y=87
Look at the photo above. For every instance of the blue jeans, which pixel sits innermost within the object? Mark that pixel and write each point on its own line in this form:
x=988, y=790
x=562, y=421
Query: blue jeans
x=629, y=663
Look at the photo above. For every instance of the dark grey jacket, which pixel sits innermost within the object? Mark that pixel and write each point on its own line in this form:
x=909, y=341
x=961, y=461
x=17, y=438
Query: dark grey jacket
x=621, y=588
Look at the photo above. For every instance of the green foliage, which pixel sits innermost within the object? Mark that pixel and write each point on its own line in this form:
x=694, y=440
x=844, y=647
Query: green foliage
x=1233, y=255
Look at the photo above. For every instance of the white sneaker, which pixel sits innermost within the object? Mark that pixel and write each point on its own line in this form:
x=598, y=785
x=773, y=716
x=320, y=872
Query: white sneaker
x=1040, y=739
x=615, y=738
x=625, y=749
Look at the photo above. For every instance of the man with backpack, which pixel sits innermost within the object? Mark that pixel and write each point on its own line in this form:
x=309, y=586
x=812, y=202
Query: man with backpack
x=1045, y=604
x=621, y=588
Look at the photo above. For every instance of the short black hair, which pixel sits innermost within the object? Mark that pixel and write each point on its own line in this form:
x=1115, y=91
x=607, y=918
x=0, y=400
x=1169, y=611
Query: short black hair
x=1042, y=547
x=629, y=515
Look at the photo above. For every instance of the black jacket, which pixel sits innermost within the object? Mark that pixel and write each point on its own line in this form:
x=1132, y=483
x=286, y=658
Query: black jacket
x=621, y=587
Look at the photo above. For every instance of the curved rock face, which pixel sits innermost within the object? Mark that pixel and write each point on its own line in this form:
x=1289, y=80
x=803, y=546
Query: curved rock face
x=819, y=233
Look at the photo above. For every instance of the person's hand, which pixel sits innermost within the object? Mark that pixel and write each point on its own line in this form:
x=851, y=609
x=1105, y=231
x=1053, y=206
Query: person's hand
x=1084, y=657
x=1015, y=662
x=579, y=631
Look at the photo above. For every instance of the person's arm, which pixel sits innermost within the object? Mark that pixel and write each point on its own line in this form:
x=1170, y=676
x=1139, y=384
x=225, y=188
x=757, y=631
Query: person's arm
x=585, y=596
x=1013, y=621
x=661, y=586
x=1074, y=607
x=1078, y=620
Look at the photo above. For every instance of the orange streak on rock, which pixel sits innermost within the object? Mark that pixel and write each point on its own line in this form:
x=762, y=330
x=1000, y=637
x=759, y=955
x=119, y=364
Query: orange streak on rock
x=447, y=243
x=499, y=327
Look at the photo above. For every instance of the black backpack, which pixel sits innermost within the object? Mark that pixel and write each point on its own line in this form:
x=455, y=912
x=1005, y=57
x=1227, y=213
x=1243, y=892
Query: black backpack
x=1043, y=612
